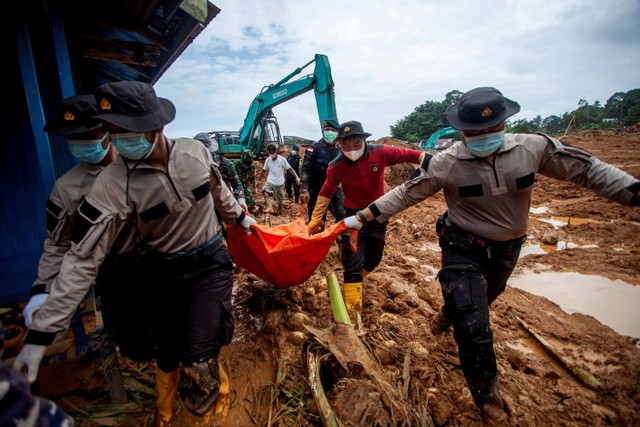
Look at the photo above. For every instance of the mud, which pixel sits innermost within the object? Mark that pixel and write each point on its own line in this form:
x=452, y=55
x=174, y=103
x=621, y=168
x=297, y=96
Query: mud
x=555, y=368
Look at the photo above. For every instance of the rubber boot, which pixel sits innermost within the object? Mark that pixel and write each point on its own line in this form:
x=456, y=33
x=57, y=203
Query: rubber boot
x=200, y=390
x=488, y=399
x=223, y=402
x=353, y=302
x=166, y=388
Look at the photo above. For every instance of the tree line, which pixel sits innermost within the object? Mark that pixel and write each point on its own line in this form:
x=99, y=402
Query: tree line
x=621, y=109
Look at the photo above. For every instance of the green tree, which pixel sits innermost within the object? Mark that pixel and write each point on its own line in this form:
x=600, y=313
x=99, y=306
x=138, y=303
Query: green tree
x=613, y=108
x=552, y=125
x=425, y=119
x=631, y=107
x=431, y=116
x=521, y=126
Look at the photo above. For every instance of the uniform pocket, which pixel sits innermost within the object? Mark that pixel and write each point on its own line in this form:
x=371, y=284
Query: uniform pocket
x=462, y=287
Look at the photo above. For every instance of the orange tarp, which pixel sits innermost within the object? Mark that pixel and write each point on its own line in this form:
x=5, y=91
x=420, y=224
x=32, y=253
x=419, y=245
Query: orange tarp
x=284, y=255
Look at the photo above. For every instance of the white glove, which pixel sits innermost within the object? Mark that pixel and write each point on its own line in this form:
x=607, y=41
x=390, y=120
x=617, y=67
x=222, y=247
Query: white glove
x=32, y=306
x=28, y=360
x=246, y=223
x=243, y=203
x=353, y=222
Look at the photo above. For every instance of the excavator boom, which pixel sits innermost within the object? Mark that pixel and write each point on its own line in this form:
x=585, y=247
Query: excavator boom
x=260, y=125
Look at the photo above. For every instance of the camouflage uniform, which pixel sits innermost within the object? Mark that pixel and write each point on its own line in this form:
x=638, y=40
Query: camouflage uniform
x=230, y=176
x=246, y=170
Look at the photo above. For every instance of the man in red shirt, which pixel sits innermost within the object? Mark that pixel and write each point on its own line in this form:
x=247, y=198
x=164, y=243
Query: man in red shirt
x=360, y=172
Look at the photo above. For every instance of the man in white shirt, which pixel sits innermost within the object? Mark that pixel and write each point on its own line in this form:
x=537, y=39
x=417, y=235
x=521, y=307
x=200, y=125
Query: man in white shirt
x=277, y=166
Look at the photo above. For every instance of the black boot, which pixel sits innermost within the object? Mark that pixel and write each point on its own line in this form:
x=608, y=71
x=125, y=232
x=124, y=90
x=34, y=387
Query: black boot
x=199, y=387
x=487, y=397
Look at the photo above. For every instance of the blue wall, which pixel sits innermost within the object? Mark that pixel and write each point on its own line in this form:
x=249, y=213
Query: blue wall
x=30, y=160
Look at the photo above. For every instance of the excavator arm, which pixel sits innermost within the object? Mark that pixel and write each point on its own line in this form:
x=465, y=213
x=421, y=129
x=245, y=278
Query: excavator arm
x=321, y=82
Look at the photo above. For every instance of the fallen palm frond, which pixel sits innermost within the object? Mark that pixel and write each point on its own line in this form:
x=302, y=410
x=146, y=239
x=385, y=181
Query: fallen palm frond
x=578, y=373
x=381, y=402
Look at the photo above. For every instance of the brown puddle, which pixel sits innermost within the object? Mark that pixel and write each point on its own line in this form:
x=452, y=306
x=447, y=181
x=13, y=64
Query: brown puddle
x=613, y=302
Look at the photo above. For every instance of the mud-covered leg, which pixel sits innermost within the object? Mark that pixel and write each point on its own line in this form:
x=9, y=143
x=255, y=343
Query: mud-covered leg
x=464, y=290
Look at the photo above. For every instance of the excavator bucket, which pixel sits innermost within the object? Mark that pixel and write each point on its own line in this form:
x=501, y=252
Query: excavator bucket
x=284, y=255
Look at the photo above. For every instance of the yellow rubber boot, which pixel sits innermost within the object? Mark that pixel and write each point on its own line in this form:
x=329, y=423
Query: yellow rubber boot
x=166, y=388
x=353, y=302
x=223, y=402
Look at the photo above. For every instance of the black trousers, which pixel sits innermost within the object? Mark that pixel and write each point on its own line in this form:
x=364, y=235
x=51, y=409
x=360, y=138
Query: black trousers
x=291, y=187
x=176, y=311
x=368, y=253
x=474, y=273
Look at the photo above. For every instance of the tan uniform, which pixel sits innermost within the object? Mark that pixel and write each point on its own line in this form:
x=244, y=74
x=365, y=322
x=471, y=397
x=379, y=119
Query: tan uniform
x=68, y=192
x=481, y=237
x=493, y=201
x=173, y=211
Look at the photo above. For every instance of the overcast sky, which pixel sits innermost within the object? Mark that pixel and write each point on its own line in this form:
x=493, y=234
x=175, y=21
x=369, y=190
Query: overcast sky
x=388, y=57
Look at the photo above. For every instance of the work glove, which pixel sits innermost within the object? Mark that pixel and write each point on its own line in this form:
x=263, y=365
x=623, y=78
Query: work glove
x=353, y=222
x=316, y=222
x=304, y=197
x=35, y=302
x=246, y=223
x=28, y=360
x=243, y=204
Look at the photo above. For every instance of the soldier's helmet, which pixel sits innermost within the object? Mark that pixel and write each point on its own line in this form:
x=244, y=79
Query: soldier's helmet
x=246, y=157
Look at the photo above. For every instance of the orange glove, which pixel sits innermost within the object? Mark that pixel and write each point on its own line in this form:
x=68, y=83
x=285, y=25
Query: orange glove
x=316, y=223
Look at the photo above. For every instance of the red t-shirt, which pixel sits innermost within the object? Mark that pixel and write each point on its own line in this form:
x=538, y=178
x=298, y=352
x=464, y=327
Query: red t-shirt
x=363, y=180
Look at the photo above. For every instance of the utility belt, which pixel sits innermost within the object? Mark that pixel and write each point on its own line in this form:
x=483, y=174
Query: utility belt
x=180, y=259
x=453, y=236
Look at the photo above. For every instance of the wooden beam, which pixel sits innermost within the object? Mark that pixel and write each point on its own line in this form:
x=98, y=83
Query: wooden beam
x=149, y=35
x=135, y=59
x=120, y=44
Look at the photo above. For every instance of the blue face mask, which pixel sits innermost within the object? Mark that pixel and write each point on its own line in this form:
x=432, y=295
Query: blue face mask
x=484, y=145
x=133, y=146
x=329, y=136
x=88, y=150
x=294, y=152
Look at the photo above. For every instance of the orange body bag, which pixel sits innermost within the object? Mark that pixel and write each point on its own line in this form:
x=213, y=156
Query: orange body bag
x=284, y=255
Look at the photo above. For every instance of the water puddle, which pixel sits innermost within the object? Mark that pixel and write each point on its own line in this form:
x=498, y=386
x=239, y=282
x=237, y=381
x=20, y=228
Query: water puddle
x=544, y=248
x=613, y=302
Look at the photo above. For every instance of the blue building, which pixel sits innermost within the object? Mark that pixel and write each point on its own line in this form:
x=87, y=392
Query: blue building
x=56, y=49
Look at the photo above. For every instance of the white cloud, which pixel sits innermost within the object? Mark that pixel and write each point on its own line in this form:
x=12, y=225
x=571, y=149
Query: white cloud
x=388, y=57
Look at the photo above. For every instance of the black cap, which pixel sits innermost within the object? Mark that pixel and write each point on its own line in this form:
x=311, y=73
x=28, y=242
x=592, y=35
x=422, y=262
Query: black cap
x=76, y=114
x=481, y=108
x=331, y=123
x=133, y=106
x=351, y=128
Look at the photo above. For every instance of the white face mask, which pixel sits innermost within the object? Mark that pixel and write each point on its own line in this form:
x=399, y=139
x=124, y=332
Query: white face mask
x=274, y=156
x=354, y=155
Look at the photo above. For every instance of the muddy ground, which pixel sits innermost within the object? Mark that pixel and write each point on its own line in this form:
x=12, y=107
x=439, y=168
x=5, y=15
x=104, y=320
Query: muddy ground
x=555, y=368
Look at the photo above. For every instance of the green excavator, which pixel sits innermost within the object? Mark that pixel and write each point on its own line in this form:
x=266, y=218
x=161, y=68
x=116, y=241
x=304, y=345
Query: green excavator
x=261, y=127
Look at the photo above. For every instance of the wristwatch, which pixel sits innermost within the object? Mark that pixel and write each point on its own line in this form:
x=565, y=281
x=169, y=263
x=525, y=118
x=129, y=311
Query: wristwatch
x=362, y=217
